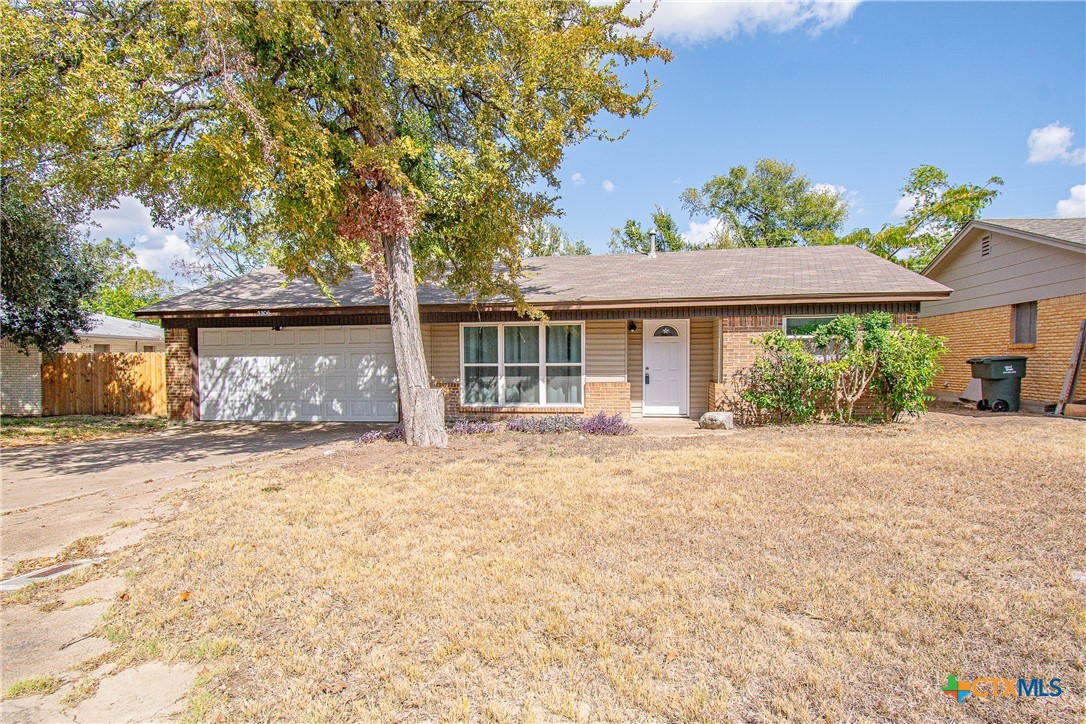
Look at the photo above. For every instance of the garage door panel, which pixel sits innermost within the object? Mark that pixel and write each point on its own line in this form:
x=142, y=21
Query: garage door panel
x=318, y=373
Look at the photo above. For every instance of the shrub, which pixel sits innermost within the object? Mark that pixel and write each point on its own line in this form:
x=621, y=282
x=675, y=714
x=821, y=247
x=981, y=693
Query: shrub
x=544, y=424
x=603, y=424
x=393, y=434
x=785, y=382
x=472, y=427
x=908, y=364
x=852, y=356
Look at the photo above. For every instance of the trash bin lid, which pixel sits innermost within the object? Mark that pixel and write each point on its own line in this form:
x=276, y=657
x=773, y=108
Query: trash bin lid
x=997, y=358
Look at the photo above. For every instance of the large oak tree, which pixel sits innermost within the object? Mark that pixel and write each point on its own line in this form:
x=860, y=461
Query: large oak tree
x=414, y=138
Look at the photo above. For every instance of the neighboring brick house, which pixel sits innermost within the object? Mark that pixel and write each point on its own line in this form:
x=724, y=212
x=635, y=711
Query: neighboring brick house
x=20, y=374
x=632, y=334
x=1019, y=288
x=20, y=381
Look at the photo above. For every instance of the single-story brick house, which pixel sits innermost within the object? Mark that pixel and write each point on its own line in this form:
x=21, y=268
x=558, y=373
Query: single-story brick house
x=1019, y=288
x=631, y=334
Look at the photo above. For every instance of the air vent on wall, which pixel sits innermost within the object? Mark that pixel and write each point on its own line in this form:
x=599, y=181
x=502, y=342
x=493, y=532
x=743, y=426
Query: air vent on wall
x=986, y=246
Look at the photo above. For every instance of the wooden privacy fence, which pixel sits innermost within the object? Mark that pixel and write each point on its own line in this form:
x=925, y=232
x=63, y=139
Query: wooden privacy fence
x=125, y=383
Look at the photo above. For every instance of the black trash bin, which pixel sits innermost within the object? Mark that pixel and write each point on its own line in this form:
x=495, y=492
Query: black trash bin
x=1000, y=381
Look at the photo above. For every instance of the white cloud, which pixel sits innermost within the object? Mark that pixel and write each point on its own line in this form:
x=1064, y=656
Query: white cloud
x=701, y=233
x=607, y=185
x=904, y=205
x=1053, y=143
x=702, y=20
x=130, y=221
x=1073, y=206
x=577, y=178
x=829, y=189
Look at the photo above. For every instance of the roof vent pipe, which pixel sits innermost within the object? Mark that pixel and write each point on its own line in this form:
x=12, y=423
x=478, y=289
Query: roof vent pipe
x=652, y=243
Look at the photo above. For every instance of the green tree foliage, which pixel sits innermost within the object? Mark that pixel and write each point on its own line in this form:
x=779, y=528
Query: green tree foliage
x=634, y=238
x=543, y=238
x=770, y=205
x=415, y=139
x=224, y=248
x=124, y=285
x=48, y=274
x=940, y=210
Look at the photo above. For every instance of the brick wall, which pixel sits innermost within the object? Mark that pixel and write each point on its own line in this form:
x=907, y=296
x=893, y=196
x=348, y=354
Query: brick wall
x=991, y=331
x=610, y=397
x=179, y=365
x=20, y=381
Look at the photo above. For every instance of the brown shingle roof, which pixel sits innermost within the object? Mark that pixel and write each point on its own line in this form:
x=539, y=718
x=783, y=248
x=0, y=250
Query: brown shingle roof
x=727, y=275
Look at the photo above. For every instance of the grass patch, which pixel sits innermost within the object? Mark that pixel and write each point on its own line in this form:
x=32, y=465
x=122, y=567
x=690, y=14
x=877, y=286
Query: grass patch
x=25, y=431
x=123, y=524
x=799, y=573
x=33, y=686
x=87, y=601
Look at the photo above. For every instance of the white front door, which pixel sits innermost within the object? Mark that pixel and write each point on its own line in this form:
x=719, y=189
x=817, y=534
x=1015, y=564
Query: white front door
x=667, y=355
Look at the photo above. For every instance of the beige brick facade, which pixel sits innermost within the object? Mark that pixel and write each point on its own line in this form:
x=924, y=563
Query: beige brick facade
x=20, y=381
x=609, y=397
x=179, y=374
x=990, y=331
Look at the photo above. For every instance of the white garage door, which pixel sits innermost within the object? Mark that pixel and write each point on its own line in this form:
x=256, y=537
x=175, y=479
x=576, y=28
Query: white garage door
x=298, y=373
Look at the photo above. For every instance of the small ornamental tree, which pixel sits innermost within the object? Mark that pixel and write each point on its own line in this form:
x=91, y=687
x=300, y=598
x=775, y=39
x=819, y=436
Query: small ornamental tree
x=851, y=347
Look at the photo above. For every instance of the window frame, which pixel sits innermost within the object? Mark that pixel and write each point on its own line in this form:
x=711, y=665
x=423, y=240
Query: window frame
x=822, y=356
x=1032, y=327
x=542, y=365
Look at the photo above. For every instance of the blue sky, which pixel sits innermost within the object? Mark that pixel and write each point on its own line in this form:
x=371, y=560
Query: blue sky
x=855, y=94
x=856, y=105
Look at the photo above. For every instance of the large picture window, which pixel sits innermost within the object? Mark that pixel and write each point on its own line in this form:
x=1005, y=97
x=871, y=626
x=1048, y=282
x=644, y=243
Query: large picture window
x=507, y=365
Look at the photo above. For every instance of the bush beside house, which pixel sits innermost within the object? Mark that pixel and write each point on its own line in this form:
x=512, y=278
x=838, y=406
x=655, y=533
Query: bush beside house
x=854, y=363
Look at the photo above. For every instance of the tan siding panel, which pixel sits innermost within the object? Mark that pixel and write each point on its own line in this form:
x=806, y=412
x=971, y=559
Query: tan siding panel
x=1015, y=271
x=701, y=364
x=634, y=357
x=445, y=352
x=605, y=351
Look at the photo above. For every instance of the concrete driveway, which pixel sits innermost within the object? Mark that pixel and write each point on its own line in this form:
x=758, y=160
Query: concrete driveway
x=54, y=494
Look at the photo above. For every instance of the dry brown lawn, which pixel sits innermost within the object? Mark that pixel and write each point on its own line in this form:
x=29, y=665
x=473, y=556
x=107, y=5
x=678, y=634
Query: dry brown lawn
x=809, y=573
x=24, y=431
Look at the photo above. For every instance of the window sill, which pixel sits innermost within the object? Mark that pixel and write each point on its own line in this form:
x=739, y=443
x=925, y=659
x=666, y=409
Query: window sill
x=522, y=409
x=1030, y=345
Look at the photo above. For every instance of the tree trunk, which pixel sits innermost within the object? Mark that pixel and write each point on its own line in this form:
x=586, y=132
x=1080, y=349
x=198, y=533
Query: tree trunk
x=422, y=408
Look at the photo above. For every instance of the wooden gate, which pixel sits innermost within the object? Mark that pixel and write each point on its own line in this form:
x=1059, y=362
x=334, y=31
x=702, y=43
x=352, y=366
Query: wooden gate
x=124, y=383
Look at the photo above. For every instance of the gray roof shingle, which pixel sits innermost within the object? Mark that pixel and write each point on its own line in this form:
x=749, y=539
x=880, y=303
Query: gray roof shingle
x=726, y=275
x=1072, y=230
x=102, y=325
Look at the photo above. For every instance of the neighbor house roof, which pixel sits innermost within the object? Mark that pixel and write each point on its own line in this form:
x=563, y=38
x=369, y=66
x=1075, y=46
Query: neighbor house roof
x=104, y=326
x=1063, y=233
x=717, y=276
